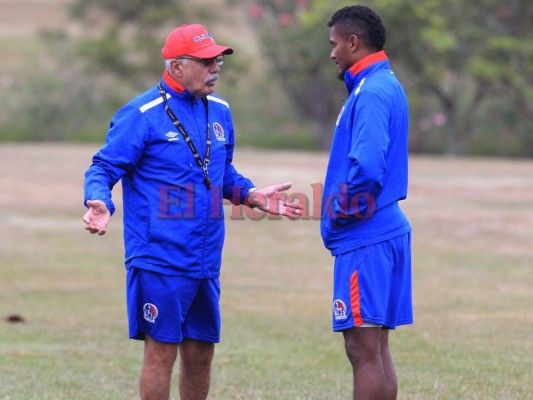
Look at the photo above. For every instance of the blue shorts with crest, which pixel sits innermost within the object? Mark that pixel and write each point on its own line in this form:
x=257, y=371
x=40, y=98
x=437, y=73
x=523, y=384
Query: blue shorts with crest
x=172, y=308
x=373, y=285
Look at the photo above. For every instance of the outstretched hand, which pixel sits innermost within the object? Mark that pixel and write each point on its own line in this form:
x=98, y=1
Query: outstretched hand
x=97, y=217
x=271, y=200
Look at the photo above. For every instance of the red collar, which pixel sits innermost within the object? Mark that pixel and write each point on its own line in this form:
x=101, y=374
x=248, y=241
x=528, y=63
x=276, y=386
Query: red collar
x=172, y=83
x=368, y=61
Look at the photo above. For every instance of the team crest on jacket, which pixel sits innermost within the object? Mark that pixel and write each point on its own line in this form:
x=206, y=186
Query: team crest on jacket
x=150, y=312
x=219, y=132
x=339, y=309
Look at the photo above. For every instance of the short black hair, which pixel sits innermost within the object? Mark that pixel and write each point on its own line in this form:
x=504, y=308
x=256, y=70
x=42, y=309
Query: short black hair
x=362, y=22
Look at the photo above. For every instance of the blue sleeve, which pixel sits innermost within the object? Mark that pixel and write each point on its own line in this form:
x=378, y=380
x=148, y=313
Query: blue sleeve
x=235, y=185
x=369, y=146
x=122, y=150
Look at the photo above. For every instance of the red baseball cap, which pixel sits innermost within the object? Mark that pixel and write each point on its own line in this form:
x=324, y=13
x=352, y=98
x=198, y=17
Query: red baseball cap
x=192, y=40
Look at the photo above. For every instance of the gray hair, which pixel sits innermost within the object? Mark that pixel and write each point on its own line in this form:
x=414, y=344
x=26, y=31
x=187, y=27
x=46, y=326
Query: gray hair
x=169, y=60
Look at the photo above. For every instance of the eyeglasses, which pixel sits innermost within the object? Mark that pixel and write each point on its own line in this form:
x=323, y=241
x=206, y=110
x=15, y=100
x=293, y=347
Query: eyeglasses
x=206, y=62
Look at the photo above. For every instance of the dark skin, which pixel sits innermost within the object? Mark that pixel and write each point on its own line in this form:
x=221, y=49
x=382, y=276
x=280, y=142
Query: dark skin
x=346, y=52
x=374, y=377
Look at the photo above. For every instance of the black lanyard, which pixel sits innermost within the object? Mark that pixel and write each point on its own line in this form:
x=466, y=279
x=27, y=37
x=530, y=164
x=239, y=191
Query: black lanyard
x=188, y=140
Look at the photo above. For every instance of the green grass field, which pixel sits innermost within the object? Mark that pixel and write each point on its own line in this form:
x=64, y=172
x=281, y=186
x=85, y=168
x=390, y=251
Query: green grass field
x=473, y=256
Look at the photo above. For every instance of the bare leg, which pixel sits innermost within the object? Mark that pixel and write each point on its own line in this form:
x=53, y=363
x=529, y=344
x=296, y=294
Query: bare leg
x=156, y=372
x=195, y=369
x=363, y=350
x=391, y=383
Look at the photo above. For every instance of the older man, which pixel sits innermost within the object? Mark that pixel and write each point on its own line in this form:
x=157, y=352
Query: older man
x=172, y=147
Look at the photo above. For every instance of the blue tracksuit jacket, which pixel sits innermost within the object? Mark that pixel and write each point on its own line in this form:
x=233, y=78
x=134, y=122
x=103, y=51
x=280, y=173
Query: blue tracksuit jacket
x=172, y=223
x=367, y=170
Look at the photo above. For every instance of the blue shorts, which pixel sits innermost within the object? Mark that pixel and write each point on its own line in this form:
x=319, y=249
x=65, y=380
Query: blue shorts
x=373, y=285
x=172, y=308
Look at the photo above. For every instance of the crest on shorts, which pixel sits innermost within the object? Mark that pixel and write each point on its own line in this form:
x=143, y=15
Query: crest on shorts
x=339, y=309
x=150, y=312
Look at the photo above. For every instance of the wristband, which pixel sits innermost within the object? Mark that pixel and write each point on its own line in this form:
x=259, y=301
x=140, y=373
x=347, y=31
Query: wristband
x=248, y=196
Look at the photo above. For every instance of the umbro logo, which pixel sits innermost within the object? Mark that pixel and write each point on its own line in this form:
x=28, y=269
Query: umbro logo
x=172, y=136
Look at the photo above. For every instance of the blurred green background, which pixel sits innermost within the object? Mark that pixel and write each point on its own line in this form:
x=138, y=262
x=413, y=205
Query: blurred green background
x=67, y=65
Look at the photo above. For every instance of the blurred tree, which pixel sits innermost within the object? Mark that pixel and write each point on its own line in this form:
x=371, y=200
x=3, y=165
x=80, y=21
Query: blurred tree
x=467, y=67
x=124, y=38
x=107, y=53
x=295, y=42
x=454, y=56
x=465, y=54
